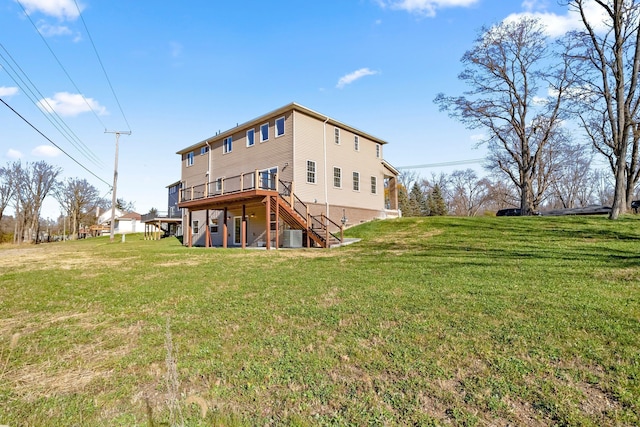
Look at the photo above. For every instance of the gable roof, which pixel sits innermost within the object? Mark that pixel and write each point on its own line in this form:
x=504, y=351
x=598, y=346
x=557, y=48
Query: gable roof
x=289, y=107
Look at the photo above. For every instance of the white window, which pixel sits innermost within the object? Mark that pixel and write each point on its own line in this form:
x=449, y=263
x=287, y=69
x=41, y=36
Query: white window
x=337, y=177
x=213, y=227
x=311, y=172
x=336, y=135
x=204, y=150
x=378, y=150
x=219, y=185
x=374, y=185
x=196, y=228
x=356, y=181
x=264, y=132
x=356, y=143
x=251, y=137
x=279, y=127
x=227, y=145
x=190, y=158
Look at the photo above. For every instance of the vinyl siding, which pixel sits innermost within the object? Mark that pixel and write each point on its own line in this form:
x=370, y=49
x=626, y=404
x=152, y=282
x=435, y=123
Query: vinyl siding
x=309, y=146
x=275, y=152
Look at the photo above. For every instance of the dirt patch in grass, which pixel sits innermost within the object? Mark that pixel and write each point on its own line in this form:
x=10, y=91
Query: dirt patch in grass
x=74, y=365
x=45, y=257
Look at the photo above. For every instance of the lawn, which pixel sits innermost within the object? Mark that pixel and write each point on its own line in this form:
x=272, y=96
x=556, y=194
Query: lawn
x=433, y=321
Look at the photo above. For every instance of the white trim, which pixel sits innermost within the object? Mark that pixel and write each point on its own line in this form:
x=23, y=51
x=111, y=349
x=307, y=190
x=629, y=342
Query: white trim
x=284, y=122
x=261, y=126
x=226, y=150
x=353, y=181
x=236, y=243
x=333, y=176
x=247, y=137
x=315, y=171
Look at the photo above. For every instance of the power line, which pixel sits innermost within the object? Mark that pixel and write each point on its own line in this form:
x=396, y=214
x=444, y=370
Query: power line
x=61, y=66
x=30, y=89
x=437, y=165
x=56, y=145
x=102, y=65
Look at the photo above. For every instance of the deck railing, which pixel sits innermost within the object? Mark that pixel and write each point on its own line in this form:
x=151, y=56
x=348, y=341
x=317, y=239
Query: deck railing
x=232, y=184
x=176, y=213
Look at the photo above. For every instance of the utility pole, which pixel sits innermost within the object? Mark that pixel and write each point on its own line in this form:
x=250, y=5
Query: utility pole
x=115, y=183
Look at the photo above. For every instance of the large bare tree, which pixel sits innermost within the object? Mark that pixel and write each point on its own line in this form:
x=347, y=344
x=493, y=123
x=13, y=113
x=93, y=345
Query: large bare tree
x=35, y=182
x=7, y=186
x=79, y=199
x=609, y=52
x=468, y=192
x=517, y=82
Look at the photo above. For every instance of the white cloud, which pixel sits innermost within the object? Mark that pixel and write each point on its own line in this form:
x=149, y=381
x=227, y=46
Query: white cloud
x=70, y=104
x=14, y=154
x=424, y=7
x=352, y=77
x=45, y=151
x=558, y=25
x=8, y=91
x=61, y=9
x=53, y=30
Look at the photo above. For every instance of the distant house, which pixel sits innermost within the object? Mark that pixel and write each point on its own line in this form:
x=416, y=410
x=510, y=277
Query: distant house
x=125, y=223
x=168, y=223
x=291, y=177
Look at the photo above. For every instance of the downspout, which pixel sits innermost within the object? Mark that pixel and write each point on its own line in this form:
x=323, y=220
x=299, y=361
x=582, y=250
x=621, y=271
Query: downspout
x=324, y=147
x=208, y=161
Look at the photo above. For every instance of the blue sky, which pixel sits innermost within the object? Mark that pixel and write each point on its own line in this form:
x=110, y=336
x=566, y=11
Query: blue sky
x=181, y=71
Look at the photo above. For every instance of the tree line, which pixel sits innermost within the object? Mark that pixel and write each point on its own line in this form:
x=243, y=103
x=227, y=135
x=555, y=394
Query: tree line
x=24, y=187
x=464, y=193
x=531, y=95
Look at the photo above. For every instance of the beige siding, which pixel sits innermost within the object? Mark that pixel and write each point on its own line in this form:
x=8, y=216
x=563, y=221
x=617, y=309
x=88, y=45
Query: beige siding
x=275, y=152
x=309, y=146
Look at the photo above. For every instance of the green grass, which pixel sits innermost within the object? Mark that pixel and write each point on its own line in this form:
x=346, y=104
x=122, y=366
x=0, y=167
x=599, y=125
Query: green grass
x=435, y=321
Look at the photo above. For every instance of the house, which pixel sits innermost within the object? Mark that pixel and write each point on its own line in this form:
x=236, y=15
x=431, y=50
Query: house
x=159, y=224
x=125, y=222
x=291, y=177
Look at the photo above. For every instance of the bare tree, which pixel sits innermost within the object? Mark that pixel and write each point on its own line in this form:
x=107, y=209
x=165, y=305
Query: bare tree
x=508, y=67
x=79, y=200
x=36, y=181
x=468, y=192
x=572, y=184
x=7, y=187
x=609, y=94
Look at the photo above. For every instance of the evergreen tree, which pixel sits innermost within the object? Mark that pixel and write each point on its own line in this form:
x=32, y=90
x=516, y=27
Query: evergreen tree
x=403, y=201
x=417, y=201
x=435, y=202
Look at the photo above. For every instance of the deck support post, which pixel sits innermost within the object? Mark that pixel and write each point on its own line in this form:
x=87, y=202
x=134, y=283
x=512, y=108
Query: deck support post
x=224, y=229
x=267, y=214
x=277, y=221
x=207, y=239
x=190, y=234
x=243, y=232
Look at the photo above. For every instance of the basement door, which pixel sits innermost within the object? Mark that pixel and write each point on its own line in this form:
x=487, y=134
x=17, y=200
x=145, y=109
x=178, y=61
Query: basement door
x=237, y=231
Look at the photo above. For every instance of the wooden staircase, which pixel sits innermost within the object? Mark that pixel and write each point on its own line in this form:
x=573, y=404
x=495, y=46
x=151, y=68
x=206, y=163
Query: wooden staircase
x=295, y=214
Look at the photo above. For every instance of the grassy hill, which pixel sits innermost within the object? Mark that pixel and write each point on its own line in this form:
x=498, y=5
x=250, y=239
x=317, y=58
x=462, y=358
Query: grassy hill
x=434, y=321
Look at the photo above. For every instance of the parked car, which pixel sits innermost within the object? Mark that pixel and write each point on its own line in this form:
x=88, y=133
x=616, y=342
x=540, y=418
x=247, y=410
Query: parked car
x=509, y=212
x=635, y=205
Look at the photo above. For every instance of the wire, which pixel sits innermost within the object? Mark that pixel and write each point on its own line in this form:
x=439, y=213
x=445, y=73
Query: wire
x=102, y=65
x=62, y=66
x=53, y=118
x=436, y=165
x=56, y=145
